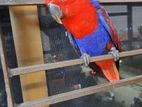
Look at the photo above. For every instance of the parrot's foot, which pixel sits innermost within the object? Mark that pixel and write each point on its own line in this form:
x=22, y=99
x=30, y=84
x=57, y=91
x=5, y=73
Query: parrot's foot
x=115, y=53
x=86, y=59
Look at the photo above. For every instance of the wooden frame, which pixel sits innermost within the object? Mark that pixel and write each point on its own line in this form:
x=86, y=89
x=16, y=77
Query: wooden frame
x=36, y=2
x=30, y=69
x=81, y=92
x=5, y=68
x=65, y=96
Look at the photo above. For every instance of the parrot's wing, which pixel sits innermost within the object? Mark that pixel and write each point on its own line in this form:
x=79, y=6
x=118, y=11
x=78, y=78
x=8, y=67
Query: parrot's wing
x=108, y=67
x=73, y=43
x=112, y=29
x=107, y=23
x=95, y=3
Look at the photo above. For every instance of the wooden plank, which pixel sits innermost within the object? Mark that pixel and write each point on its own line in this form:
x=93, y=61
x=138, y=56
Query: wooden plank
x=5, y=69
x=35, y=68
x=81, y=92
x=119, y=1
x=20, y=2
x=27, y=40
x=35, y=2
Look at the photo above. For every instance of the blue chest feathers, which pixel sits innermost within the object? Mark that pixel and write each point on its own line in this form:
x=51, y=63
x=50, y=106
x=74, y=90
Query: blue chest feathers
x=94, y=44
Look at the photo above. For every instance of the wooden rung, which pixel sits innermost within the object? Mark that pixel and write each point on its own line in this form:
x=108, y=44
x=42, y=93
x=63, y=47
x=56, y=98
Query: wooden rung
x=81, y=92
x=36, y=2
x=119, y=1
x=36, y=68
x=21, y=2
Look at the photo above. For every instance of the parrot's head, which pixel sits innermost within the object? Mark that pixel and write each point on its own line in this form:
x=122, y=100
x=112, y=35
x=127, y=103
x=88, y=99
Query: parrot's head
x=60, y=8
x=55, y=10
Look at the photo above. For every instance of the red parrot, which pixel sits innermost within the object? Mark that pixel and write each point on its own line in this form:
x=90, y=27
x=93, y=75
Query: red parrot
x=91, y=31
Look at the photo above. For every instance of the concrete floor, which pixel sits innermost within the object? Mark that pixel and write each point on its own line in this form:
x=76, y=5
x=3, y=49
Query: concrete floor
x=128, y=93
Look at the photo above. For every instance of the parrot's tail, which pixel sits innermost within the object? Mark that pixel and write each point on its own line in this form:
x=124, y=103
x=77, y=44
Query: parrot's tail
x=109, y=69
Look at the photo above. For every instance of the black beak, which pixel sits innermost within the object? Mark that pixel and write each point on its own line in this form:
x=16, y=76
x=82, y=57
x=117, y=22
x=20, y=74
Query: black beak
x=55, y=12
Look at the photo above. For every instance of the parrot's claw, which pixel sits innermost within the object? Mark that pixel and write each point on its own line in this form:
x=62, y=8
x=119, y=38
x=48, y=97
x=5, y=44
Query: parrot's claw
x=86, y=59
x=115, y=53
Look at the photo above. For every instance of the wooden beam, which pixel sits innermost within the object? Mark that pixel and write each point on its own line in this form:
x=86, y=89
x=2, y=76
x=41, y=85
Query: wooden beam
x=27, y=41
x=119, y=1
x=8, y=88
x=30, y=69
x=36, y=2
x=21, y=2
x=81, y=92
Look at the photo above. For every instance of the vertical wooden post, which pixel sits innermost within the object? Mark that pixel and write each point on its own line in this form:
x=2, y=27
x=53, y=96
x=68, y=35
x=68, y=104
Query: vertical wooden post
x=27, y=40
x=5, y=68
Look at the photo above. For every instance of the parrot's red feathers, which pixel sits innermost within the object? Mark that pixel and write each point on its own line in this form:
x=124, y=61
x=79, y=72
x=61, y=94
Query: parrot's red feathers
x=109, y=69
x=47, y=2
x=80, y=25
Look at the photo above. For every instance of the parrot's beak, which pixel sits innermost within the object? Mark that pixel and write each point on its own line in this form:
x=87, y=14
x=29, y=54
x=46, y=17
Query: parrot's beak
x=55, y=12
x=58, y=20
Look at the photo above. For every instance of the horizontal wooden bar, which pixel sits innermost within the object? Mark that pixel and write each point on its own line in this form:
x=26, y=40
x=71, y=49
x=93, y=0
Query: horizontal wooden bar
x=21, y=2
x=119, y=1
x=36, y=68
x=81, y=92
x=36, y=2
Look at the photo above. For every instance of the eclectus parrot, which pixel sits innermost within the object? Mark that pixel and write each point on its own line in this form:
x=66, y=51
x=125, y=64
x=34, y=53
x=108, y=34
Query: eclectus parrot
x=91, y=32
